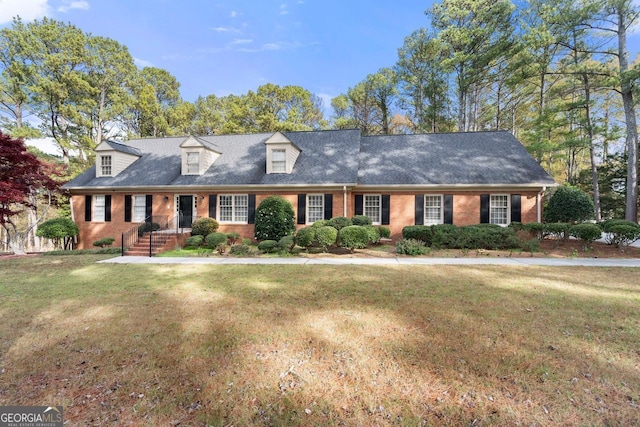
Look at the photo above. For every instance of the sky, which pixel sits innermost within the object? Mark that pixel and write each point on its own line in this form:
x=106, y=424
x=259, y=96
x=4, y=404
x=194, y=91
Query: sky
x=227, y=47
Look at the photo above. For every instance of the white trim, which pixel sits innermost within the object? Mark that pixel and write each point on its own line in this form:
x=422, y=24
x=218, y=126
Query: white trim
x=374, y=221
x=308, y=221
x=424, y=209
x=103, y=208
x=233, y=208
x=508, y=207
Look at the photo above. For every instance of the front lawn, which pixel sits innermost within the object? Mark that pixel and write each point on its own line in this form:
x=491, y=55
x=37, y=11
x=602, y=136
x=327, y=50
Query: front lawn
x=320, y=345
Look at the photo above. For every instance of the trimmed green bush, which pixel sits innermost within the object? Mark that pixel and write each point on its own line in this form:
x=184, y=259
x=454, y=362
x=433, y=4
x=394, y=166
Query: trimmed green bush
x=320, y=223
x=569, y=204
x=374, y=234
x=558, y=230
x=240, y=250
x=305, y=236
x=287, y=243
x=274, y=219
x=247, y=242
x=621, y=233
x=531, y=245
x=411, y=247
x=385, y=232
x=107, y=241
x=423, y=233
x=444, y=236
x=233, y=237
x=268, y=246
x=204, y=226
x=361, y=220
x=60, y=230
x=535, y=229
x=339, y=222
x=586, y=232
x=354, y=237
x=326, y=236
x=213, y=240
x=194, y=241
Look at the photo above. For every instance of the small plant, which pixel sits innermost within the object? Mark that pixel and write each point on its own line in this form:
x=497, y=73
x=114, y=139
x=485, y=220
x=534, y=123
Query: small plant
x=286, y=244
x=621, y=233
x=326, y=236
x=361, y=220
x=385, y=232
x=423, y=233
x=374, y=234
x=588, y=233
x=411, y=247
x=104, y=242
x=268, y=246
x=340, y=222
x=320, y=223
x=204, y=226
x=354, y=237
x=247, y=242
x=232, y=238
x=305, y=237
x=213, y=240
x=194, y=241
x=240, y=250
x=557, y=230
x=221, y=248
x=60, y=230
x=531, y=245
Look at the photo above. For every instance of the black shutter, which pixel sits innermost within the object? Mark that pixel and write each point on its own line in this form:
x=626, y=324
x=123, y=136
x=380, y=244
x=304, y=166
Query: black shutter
x=212, y=205
x=107, y=208
x=419, y=209
x=359, y=204
x=127, y=208
x=484, y=208
x=302, y=208
x=386, y=209
x=448, y=208
x=516, y=215
x=251, y=218
x=148, y=208
x=87, y=208
x=328, y=206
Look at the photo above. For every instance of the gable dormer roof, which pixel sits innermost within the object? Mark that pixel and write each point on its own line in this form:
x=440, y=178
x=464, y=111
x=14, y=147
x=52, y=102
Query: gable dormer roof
x=202, y=152
x=113, y=157
x=281, y=154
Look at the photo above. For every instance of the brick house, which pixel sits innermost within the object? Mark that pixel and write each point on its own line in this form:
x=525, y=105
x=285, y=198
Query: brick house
x=399, y=180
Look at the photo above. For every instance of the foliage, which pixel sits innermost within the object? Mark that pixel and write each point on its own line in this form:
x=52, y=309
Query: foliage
x=306, y=236
x=233, y=237
x=61, y=230
x=204, y=226
x=384, y=232
x=326, y=236
x=557, y=230
x=569, y=204
x=287, y=243
x=587, y=232
x=320, y=223
x=620, y=233
x=444, y=236
x=274, y=219
x=194, y=241
x=213, y=240
x=240, y=250
x=338, y=222
x=268, y=246
x=374, y=234
x=104, y=242
x=361, y=220
x=423, y=233
x=354, y=237
x=536, y=229
x=411, y=247
x=148, y=227
x=531, y=245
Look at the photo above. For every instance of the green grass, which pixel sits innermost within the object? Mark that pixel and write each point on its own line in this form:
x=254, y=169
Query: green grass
x=320, y=345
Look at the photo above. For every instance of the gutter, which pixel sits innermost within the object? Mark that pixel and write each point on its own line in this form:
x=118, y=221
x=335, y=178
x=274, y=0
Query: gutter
x=538, y=203
x=344, y=201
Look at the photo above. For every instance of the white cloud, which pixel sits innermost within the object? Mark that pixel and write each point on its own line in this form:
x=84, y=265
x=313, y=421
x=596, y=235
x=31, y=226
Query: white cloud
x=74, y=4
x=242, y=41
x=272, y=46
x=234, y=13
x=142, y=63
x=283, y=9
x=28, y=10
x=221, y=29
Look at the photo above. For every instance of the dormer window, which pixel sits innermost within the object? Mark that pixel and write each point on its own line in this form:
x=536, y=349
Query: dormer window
x=105, y=165
x=278, y=161
x=197, y=156
x=193, y=163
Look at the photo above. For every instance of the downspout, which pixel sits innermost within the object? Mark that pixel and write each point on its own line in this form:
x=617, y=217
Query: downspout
x=538, y=203
x=344, y=200
x=73, y=218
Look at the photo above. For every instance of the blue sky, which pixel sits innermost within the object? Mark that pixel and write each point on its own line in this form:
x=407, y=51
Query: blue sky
x=230, y=47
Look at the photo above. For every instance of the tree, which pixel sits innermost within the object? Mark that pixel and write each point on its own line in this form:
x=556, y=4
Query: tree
x=569, y=204
x=23, y=181
x=274, y=219
x=60, y=230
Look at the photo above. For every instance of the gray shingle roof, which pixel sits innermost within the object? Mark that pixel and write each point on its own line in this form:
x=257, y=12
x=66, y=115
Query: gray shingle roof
x=341, y=157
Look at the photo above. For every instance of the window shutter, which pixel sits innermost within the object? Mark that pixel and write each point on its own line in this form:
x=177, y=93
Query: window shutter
x=516, y=215
x=212, y=205
x=448, y=208
x=251, y=217
x=386, y=209
x=127, y=208
x=419, y=209
x=107, y=208
x=87, y=208
x=302, y=208
x=359, y=204
x=148, y=208
x=328, y=206
x=484, y=208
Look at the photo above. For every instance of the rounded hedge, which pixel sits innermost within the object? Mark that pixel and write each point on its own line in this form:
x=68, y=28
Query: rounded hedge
x=587, y=232
x=374, y=234
x=354, y=237
x=340, y=222
x=215, y=239
x=268, y=246
x=194, y=241
x=204, y=226
x=569, y=204
x=326, y=236
x=361, y=220
x=305, y=236
x=274, y=219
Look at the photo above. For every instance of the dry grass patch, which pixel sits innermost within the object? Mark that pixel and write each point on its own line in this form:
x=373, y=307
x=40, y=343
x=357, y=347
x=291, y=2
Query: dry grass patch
x=321, y=345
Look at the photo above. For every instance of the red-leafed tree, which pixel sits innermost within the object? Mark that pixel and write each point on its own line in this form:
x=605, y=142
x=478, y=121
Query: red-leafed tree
x=25, y=182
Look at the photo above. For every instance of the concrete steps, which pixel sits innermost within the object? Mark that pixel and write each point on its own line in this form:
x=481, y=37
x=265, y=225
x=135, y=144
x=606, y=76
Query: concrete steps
x=163, y=242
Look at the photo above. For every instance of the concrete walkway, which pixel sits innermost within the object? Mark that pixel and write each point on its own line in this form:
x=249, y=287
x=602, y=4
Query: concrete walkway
x=551, y=262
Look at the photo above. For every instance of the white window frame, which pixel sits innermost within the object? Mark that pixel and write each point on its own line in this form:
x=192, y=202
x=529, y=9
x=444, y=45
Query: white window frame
x=239, y=208
x=312, y=216
x=427, y=209
x=193, y=168
x=106, y=169
x=368, y=204
x=139, y=209
x=279, y=165
x=494, y=209
x=99, y=208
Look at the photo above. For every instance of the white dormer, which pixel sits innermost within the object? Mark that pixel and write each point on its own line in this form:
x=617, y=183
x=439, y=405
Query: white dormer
x=281, y=154
x=197, y=157
x=112, y=158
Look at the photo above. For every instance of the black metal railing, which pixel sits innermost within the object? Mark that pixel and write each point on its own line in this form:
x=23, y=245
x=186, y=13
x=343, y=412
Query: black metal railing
x=157, y=226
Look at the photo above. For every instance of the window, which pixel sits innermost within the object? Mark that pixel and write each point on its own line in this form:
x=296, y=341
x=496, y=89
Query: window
x=499, y=209
x=105, y=165
x=193, y=163
x=372, y=207
x=98, y=208
x=233, y=208
x=139, y=208
x=278, y=160
x=433, y=210
x=315, y=208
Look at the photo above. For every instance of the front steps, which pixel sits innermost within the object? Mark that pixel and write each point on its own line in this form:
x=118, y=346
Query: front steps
x=163, y=242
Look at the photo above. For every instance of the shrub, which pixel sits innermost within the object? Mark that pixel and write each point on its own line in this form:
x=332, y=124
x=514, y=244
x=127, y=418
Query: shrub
x=385, y=232
x=326, y=236
x=213, y=240
x=354, y=237
x=204, y=226
x=147, y=227
x=531, y=245
x=621, y=233
x=247, y=242
x=423, y=233
x=569, y=204
x=274, y=219
x=320, y=223
x=287, y=243
x=374, y=234
x=535, y=229
x=305, y=236
x=411, y=247
x=444, y=236
x=361, y=220
x=339, y=222
x=268, y=246
x=233, y=237
x=558, y=230
x=587, y=232
x=106, y=241
x=240, y=250
x=194, y=241
x=60, y=230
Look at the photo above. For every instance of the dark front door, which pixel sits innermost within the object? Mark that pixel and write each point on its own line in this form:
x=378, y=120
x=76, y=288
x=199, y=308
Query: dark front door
x=185, y=207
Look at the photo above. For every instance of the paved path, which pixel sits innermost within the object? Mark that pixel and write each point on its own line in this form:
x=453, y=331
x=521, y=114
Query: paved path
x=551, y=262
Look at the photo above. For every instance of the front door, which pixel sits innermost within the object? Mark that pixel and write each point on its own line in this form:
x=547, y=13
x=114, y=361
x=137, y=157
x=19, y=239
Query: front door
x=185, y=208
